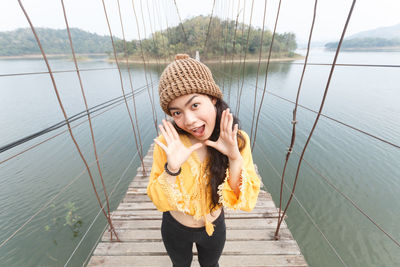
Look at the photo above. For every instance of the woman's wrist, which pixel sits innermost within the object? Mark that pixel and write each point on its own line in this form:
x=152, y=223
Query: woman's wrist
x=235, y=158
x=235, y=169
x=172, y=172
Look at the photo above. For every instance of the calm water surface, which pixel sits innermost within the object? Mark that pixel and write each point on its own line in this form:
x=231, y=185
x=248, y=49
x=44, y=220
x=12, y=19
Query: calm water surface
x=363, y=168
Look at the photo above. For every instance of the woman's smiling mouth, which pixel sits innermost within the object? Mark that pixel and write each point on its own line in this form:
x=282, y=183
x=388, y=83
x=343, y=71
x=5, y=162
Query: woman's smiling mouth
x=199, y=131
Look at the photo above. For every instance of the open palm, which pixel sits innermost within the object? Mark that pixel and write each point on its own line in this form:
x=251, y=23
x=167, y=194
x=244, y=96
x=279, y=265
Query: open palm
x=177, y=152
x=227, y=141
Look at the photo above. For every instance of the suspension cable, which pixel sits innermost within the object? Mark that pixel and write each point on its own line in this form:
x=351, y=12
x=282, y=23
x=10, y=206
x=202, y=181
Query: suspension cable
x=294, y=121
x=87, y=111
x=166, y=44
x=208, y=30
x=276, y=62
x=318, y=115
x=54, y=71
x=302, y=207
x=180, y=20
x=266, y=73
x=157, y=60
x=233, y=51
x=51, y=137
x=258, y=70
x=64, y=122
x=156, y=10
x=87, y=231
x=225, y=35
x=351, y=201
x=244, y=59
x=140, y=150
x=323, y=115
x=241, y=50
x=43, y=207
x=145, y=68
x=119, y=72
x=63, y=111
x=345, y=64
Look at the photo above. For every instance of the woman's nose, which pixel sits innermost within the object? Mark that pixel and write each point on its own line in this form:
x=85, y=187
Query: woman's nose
x=190, y=119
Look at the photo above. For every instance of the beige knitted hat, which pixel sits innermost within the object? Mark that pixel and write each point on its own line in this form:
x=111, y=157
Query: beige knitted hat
x=184, y=76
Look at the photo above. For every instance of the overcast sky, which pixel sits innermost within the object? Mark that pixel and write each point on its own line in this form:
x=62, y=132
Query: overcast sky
x=296, y=15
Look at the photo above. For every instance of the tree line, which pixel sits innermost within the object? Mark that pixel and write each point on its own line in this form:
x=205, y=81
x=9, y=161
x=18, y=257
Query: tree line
x=221, y=40
x=365, y=43
x=224, y=39
x=23, y=42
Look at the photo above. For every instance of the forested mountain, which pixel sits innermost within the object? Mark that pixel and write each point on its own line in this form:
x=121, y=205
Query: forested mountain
x=23, y=42
x=390, y=32
x=379, y=38
x=366, y=43
x=220, y=40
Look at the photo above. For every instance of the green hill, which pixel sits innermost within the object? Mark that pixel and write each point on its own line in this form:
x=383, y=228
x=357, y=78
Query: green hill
x=367, y=43
x=23, y=42
x=390, y=32
x=383, y=38
x=220, y=41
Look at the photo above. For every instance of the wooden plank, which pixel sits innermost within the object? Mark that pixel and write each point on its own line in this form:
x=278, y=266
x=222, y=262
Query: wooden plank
x=149, y=205
x=137, y=198
x=258, y=260
x=132, y=198
x=139, y=191
x=255, y=223
x=266, y=205
x=148, y=215
x=256, y=211
x=233, y=234
x=225, y=260
x=136, y=206
x=233, y=247
x=143, y=191
x=138, y=184
x=156, y=261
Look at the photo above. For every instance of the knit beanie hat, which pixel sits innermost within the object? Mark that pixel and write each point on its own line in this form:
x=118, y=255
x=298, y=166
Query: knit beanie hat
x=185, y=76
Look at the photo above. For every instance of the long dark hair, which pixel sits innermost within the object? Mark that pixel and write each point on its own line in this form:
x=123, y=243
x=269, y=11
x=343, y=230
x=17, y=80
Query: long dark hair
x=218, y=162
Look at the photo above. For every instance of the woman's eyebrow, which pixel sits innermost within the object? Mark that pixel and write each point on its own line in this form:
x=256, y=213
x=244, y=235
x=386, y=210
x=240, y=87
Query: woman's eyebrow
x=187, y=103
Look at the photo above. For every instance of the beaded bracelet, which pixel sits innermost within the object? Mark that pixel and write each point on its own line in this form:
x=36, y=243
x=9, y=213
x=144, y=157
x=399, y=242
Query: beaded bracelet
x=171, y=173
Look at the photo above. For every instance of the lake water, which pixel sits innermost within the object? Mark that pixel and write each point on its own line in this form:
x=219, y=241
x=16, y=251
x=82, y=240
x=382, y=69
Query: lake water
x=363, y=168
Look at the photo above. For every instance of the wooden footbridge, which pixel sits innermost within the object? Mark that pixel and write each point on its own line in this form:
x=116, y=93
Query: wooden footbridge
x=249, y=238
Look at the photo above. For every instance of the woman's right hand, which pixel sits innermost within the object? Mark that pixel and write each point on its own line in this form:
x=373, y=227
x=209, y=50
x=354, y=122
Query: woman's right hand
x=177, y=152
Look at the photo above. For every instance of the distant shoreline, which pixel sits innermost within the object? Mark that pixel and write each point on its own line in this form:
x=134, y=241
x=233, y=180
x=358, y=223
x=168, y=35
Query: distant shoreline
x=368, y=49
x=38, y=56
x=212, y=61
x=81, y=57
x=252, y=60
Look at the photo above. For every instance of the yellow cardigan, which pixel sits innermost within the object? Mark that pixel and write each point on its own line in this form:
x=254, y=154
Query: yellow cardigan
x=187, y=194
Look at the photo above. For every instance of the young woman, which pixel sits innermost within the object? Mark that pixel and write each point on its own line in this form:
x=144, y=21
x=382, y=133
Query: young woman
x=201, y=163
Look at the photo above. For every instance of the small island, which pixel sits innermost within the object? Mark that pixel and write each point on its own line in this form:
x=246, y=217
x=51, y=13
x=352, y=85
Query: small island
x=215, y=43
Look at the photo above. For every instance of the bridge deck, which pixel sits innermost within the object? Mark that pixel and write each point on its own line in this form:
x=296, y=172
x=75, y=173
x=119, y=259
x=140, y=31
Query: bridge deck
x=249, y=238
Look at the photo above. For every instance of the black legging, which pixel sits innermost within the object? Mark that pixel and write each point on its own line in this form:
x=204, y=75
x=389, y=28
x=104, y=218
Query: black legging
x=178, y=241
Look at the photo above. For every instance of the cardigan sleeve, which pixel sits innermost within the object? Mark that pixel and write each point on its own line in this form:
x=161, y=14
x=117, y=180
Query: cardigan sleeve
x=164, y=194
x=249, y=186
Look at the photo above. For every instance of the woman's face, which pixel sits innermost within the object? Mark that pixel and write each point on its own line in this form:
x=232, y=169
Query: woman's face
x=195, y=114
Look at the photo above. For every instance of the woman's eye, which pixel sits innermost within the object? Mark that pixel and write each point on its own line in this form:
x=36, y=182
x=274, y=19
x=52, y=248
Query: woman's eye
x=176, y=113
x=195, y=105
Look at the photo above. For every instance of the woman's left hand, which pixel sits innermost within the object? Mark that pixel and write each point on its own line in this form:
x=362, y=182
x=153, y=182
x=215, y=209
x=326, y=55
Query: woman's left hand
x=227, y=141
